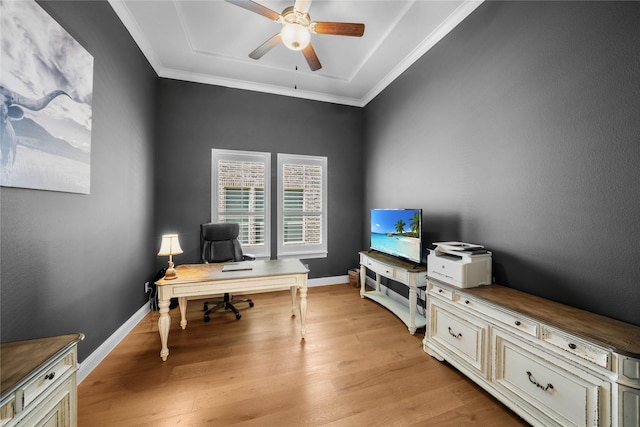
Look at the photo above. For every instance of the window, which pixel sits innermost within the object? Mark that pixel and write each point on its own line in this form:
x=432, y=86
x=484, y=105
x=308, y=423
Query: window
x=240, y=193
x=302, y=206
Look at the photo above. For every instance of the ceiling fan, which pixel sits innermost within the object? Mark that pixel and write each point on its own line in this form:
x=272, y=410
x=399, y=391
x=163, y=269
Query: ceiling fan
x=297, y=28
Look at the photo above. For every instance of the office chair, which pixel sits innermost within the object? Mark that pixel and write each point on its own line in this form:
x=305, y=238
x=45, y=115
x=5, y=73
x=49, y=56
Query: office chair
x=219, y=243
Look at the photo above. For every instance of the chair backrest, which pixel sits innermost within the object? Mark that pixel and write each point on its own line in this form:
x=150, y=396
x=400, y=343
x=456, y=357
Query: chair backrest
x=219, y=242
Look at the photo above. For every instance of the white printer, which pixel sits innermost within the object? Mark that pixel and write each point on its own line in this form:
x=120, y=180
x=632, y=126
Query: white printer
x=464, y=265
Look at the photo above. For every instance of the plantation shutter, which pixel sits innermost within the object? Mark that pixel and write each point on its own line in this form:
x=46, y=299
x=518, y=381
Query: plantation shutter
x=302, y=206
x=240, y=194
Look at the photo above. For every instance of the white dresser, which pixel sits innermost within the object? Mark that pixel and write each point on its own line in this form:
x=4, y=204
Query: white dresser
x=38, y=382
x=552, y=364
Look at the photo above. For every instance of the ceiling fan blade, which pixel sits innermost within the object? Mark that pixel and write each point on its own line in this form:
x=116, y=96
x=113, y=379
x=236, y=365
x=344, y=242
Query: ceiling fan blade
x=256, y=8
x=312, y=58
x=338, y=28
x=266, y=47
x=302, y=6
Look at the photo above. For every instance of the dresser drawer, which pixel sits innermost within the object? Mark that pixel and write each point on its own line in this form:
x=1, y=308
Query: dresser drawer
x=567, y=398
x=507, y=318
x=466, y=336
x=629, y=406
x=577, y=347
x=440, y=290
x=48, y=379
x=629, y=371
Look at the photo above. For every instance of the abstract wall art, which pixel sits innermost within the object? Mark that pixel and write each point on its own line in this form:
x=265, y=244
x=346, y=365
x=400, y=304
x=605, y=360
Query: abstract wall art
x=46, y=90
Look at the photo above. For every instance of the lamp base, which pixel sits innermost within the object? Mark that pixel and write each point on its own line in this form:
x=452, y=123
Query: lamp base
x=170, y=274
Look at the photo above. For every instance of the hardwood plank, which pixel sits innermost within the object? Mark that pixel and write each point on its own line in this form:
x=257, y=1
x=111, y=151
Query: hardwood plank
x=357, y=366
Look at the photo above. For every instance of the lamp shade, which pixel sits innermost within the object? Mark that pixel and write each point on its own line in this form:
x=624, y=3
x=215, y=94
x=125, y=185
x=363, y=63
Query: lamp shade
x=295, y=36
x=170, y=245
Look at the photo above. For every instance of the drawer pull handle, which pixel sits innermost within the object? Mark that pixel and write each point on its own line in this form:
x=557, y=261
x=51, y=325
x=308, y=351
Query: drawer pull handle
x=572, y=346
x=549, y=386
x=50, y=376
x=518, y=323
x=459, y=335
x=467, y=302
x=440, y=290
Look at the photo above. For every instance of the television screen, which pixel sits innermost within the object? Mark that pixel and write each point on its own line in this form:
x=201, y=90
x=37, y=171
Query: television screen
x=397, y=232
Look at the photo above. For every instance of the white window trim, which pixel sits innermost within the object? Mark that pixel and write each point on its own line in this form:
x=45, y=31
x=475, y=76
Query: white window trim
x=303, y=251
x=246, y=156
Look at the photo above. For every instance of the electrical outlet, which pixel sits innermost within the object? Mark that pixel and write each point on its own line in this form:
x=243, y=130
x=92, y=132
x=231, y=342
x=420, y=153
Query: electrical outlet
x=146, y=287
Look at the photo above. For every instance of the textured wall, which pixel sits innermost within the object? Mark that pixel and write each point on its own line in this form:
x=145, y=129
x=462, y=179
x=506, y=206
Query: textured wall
x=520, y=130
x=75, y=262
x=194, y=118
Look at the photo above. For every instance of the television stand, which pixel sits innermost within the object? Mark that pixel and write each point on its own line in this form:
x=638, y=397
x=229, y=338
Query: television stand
x=399, y=271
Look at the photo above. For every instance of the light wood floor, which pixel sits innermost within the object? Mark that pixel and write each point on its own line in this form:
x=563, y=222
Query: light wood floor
x=358, y=366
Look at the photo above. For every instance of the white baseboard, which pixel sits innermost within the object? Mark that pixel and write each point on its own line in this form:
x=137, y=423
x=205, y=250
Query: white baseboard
x=94, y=359
x=323, y=281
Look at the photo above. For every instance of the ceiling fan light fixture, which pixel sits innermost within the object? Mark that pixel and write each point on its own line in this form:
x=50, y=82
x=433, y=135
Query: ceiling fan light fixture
x=295, y=36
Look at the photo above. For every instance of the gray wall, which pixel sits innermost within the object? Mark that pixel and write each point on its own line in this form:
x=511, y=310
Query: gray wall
x=75, y=262
x=520, y=131
x=194, y=118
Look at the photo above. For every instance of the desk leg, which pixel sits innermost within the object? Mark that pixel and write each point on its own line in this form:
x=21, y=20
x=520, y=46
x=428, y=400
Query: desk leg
x=164, y=322
x=412, y=309
x=182, y=303
x=294, y=290
x=303, y=310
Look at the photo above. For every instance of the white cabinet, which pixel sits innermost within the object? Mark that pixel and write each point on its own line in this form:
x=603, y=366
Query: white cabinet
x=411, y=275
x=552, y=364
x=39, y=382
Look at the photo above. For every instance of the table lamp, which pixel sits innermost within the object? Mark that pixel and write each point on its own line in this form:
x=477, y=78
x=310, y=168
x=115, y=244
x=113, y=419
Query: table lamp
x=170, y=246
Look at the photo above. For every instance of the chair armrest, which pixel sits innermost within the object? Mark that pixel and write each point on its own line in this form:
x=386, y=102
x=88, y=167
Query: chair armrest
x=248, y=257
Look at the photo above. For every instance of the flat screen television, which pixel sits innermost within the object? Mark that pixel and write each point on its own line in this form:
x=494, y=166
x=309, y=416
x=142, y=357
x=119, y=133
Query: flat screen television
x=397, y=232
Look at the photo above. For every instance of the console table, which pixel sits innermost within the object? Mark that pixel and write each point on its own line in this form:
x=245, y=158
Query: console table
x=403, y=272
x=552, y=364
x=38, y=380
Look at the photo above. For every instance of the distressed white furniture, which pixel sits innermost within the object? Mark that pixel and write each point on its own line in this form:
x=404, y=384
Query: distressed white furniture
x=209, y=279
x=550, y=363
x=403, y=272
x=39, y=382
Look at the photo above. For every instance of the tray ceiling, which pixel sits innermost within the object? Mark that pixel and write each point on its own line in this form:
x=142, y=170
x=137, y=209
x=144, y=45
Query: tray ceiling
x=209, y=42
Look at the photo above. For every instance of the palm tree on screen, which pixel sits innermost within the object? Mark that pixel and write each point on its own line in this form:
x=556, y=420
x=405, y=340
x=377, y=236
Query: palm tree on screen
x=415, y=223
x=400, y=226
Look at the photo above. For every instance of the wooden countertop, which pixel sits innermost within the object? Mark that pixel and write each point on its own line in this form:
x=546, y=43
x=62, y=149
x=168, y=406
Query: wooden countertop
x=19, y=358
x=396, y=262
x=622, y=338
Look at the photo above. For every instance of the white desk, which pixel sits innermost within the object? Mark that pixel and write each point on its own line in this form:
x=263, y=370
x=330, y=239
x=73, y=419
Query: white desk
x=207, y=279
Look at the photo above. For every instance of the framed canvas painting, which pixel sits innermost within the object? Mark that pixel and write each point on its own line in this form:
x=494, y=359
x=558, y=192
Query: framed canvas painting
x=46, y=89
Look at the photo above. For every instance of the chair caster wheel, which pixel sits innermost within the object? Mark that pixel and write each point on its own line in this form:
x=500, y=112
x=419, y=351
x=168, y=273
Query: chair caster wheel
x=251, y=304
x=206, y=307
x=238, y=316
x=207, y=318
